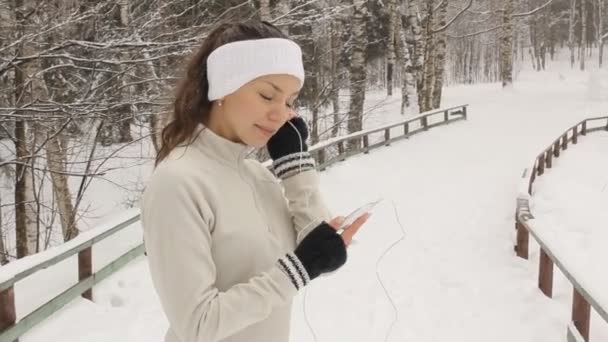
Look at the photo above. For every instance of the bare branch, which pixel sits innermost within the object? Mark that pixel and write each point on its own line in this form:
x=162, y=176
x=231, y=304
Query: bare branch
x=444, y=27
x=516, y=15
x=478, y=32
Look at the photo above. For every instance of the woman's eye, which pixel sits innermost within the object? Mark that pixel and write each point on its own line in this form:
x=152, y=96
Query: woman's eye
x=267, y=98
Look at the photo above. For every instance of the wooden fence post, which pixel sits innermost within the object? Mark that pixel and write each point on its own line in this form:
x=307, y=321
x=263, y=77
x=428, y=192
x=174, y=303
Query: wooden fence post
x=575, y=135
x=565, y=141
x=8, y=314
x=464, y=112
x=406, y=129
x=365, y=144
x=85, y=269
x=424, y=122
x=445, y=116
x=584, y=129
x=556, y=149
x=321, y=156
x=341, y=156
x=522, y=241
x=549, y=159
x=581, y=311
x=541, y=164
x=387, y=137
x=545, y=274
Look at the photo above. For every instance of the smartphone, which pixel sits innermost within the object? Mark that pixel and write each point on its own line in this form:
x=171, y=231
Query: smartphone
x=356, y=214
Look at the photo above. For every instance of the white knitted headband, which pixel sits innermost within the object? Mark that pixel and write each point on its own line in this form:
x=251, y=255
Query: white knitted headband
x=234, y=64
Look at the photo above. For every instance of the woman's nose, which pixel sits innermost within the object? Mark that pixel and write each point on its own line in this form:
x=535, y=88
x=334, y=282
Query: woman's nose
x=278, y=113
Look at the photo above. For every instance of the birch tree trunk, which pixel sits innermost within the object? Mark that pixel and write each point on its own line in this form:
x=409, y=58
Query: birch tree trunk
x=583, y=42
x=56, y=159
x=393, y=15
x=27, y=86
x=358, y=73
x=408, y=87
x=3, y=252
x=571, y=23
x=440, y=48
x=335, y=42
x=265, y=10
x=600, y=31
x=425, y=89
x=506, y=45
x=414, y=25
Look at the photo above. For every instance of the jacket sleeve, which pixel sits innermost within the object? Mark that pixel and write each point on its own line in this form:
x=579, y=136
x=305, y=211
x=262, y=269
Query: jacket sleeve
x=301, y=184
x=178, y=242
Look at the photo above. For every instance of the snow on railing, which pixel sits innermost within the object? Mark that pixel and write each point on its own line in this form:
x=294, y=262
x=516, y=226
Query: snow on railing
x=325, y=153
x=583, y=297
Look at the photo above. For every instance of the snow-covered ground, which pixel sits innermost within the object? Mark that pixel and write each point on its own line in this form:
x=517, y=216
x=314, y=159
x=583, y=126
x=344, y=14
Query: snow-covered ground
x=453, y=275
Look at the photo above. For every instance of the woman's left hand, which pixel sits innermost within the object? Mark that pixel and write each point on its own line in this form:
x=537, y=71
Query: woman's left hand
x=289, y=139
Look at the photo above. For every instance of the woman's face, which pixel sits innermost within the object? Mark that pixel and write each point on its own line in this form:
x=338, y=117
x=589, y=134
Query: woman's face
x=253, y=113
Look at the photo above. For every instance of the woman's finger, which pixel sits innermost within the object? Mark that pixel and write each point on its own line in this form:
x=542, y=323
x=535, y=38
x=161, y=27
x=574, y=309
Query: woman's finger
x=351, y=230
x=336, y=222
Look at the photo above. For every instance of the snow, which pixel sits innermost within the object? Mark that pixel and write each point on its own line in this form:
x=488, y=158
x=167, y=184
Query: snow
x=451, y=191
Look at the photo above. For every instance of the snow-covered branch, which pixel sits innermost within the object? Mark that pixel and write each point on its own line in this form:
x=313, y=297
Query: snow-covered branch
x=444, y=27
x=516, y=15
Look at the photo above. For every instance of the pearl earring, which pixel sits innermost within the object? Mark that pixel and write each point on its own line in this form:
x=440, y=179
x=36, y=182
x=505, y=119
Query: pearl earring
x=219, y=103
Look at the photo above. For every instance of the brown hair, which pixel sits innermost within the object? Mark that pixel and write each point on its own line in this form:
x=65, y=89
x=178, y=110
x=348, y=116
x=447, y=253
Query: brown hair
x=191, y=105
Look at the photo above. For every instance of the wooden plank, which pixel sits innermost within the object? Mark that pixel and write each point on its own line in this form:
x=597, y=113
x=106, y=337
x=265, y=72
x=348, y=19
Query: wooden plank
x=573, y=334
x=7, y=308
x=55, y=304
x=332, y=160
x=549, y=159
x=387, y=137
x=581, y=313
x=545, y=274
x=600, y=308
x=85, y=269
x=541, y=164
x=391, y=125
x=72, y=251
x=522, y=241
x=584, y=128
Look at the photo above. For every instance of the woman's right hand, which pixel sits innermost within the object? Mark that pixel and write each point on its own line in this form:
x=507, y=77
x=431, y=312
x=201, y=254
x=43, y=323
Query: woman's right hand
x=350, y=231
x=323, y=250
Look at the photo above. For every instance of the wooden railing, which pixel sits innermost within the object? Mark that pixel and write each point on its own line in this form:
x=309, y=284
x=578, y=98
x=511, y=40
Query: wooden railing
x=583, y=299
x=327, y=153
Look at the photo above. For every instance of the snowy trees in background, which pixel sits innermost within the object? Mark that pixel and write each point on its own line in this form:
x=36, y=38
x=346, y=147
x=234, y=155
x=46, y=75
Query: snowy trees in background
x=82, y=80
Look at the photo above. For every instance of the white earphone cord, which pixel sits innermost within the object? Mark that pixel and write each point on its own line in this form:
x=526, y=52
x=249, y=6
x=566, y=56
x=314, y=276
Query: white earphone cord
x=377, y=262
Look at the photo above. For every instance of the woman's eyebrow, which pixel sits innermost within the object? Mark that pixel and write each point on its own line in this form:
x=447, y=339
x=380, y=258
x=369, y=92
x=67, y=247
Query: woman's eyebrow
x=277, y=88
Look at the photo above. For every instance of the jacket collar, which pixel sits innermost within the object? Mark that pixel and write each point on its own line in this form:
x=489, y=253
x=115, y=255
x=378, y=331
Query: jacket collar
x=221, y=148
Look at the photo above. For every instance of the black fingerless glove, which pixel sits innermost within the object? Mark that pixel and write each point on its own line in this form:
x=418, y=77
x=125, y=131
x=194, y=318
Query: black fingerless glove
x=288, y=139
x=321, y=251
x=288, y=149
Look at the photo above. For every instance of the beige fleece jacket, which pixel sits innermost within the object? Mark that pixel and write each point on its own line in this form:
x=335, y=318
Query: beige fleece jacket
x=219, y=231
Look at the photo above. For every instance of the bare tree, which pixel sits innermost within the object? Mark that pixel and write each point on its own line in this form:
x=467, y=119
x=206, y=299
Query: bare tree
x=583, y=37
x=506, y=45
x=600, y=31
x=439, y=54
x=571, y=25
x=358, y=73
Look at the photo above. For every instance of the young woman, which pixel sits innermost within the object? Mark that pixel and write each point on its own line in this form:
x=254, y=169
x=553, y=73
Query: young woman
x=229, y=243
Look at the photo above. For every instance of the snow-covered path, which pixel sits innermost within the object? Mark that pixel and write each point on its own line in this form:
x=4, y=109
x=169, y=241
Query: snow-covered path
x=454, y=275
